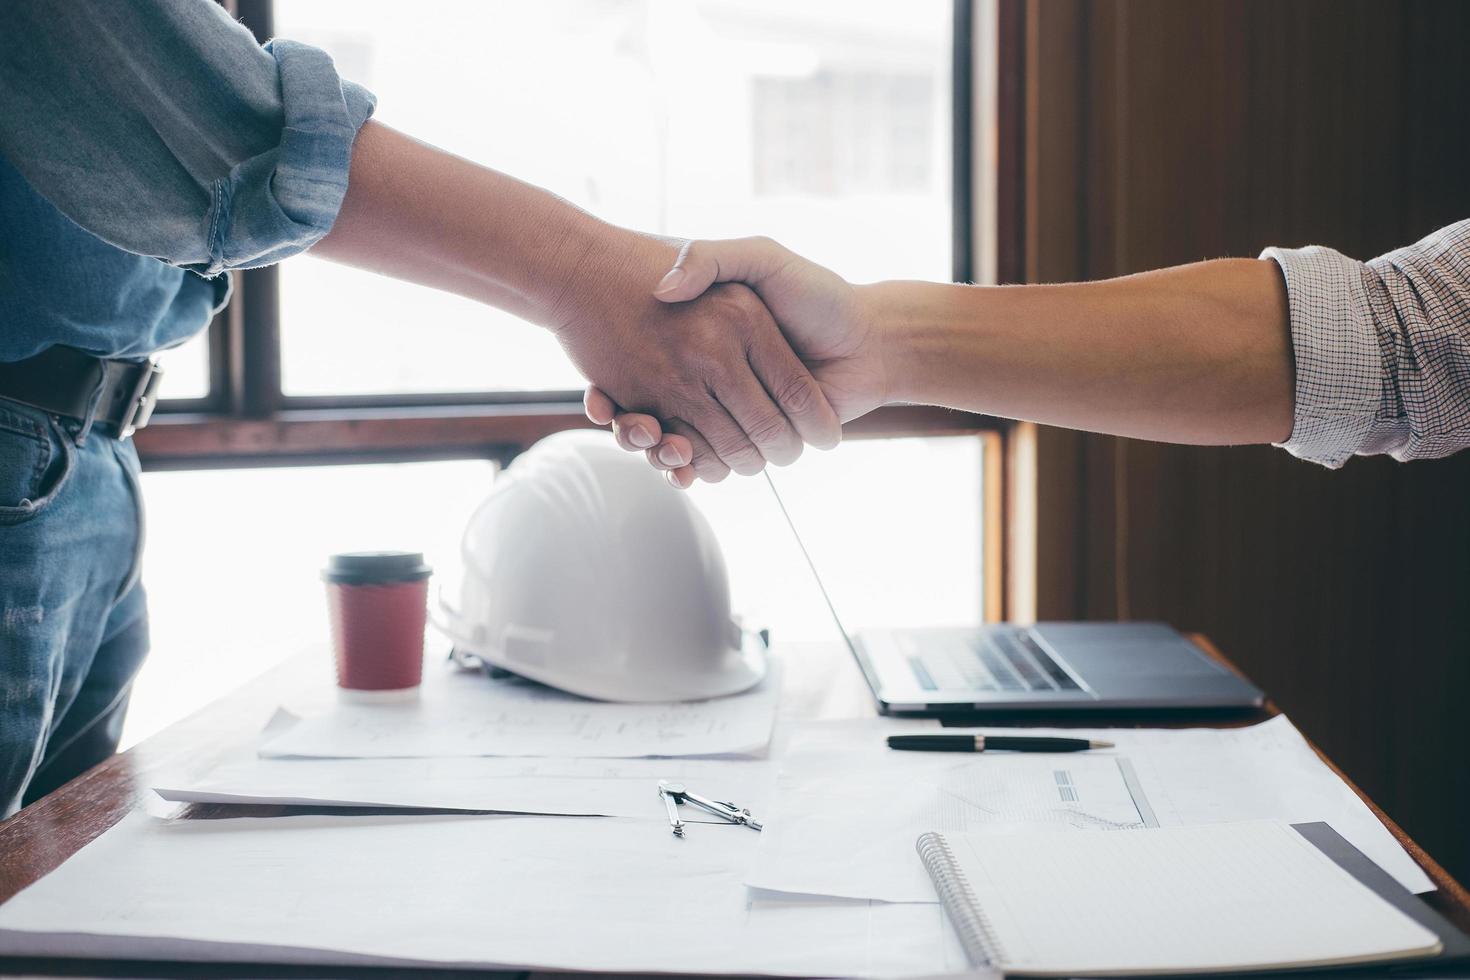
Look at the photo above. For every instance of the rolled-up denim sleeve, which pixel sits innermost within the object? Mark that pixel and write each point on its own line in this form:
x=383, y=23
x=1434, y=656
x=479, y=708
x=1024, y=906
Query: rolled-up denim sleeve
x=163, y=128
x=1382, y=349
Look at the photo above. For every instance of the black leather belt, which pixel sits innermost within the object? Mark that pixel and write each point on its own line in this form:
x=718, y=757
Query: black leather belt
x=65, y=381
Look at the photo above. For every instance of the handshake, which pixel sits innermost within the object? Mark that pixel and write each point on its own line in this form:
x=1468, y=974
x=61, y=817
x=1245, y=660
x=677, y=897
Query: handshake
x=738, y=356
x=715, y=356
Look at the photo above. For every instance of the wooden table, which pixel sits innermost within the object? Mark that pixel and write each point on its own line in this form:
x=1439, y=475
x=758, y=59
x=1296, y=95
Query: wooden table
x=820, y=683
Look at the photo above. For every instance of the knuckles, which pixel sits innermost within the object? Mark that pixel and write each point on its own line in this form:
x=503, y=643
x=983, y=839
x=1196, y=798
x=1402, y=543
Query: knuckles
x=736, y=452
x=709, y=467
x=767, y=244
x=768, y=430
x=736, y=305
x=797, y=394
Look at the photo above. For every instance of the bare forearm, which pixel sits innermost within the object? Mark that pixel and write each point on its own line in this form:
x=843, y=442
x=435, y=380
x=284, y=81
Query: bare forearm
x=417, y=213
x=718, y=366
x=1194, y=354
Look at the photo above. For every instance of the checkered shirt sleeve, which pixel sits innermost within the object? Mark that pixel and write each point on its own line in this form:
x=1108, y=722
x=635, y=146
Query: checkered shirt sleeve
x=1382, y=349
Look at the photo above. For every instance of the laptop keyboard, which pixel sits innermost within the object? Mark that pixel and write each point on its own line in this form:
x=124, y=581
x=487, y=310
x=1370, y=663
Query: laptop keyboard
x=1007, y=661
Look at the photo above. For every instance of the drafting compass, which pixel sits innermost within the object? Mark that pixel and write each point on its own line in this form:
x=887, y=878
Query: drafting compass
x=673, y=794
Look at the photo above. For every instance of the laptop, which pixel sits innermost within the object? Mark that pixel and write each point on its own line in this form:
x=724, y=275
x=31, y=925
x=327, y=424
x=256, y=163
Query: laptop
x=1043, y=667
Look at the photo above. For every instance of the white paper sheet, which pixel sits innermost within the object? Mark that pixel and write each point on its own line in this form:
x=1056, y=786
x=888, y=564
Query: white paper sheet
x=1263, y=772
x=466, y=714
x=598, y=787
x=844, y=828
x=520, y=892
x=847, y=809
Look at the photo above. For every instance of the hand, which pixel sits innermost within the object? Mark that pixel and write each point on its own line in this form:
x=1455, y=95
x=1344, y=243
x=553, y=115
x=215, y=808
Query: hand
x=717, y=368
x=713, y=366
x=819, y=312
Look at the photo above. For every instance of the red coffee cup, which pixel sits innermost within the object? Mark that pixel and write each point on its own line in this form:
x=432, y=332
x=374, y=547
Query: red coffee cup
x=378, y=603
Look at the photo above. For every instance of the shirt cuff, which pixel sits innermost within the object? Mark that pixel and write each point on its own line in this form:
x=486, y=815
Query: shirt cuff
x=1339, y=366
x=285, y=200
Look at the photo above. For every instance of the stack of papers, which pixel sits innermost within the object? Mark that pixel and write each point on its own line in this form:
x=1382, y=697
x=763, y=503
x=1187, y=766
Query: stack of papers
x=590, y=787
x=846, y=812
x=466, y=714
x=553, y=892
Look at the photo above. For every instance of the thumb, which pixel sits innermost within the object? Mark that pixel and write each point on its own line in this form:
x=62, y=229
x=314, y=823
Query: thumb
x=702, y=264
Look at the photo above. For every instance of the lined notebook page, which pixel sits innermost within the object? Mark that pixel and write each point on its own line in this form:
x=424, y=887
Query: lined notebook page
x=1215, y=897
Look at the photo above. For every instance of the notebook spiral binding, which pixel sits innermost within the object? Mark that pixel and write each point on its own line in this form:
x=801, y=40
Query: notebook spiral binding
x=977, y=936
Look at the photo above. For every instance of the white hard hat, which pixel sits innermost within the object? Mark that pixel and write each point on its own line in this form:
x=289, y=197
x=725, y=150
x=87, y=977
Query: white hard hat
x=586, y=571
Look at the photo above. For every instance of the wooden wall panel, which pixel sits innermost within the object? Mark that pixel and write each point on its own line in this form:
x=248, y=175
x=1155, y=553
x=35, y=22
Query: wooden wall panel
x=1218, y=127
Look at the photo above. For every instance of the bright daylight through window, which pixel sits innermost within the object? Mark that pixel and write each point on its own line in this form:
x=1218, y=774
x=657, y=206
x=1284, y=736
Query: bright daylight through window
x=822, y=124
x=826, y=125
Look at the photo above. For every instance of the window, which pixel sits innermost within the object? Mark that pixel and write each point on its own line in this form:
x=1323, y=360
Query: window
x=234, y=560
x=817, y=123
x=871, y=514
x=187, y=369
x=829, y=125
x=846, y=133
x=836, y=127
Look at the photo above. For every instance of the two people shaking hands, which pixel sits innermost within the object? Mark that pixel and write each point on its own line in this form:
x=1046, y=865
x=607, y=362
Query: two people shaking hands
x=713, y=356
x=149, y=148
x=720, y=356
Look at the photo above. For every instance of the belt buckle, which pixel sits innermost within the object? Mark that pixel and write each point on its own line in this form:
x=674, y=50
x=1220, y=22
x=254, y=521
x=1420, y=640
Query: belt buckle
x=141, y=402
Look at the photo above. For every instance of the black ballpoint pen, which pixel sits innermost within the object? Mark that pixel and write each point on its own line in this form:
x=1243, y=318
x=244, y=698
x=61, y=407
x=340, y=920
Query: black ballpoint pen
x=989, y=743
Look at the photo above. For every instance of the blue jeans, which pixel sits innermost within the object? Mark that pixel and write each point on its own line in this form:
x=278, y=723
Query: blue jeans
x=73, y=619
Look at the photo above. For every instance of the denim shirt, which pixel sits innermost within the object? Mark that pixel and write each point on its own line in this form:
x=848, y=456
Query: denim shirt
x=146, y=148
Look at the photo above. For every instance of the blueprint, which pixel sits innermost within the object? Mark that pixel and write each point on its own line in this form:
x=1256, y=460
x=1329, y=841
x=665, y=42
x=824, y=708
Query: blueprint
x=592, y=787
x=847, y=810
x=466, y=714
x=565, y=893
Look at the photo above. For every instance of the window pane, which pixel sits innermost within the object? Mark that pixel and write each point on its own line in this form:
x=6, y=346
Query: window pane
x=234, y=555
x=893, y=526
x=186, y=369
x=823, y=124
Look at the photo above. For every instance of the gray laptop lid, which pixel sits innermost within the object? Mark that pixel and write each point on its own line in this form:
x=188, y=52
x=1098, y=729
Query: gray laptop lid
x=806, y=555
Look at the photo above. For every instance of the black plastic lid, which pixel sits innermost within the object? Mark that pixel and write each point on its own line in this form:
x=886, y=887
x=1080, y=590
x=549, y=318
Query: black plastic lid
x=368, y=567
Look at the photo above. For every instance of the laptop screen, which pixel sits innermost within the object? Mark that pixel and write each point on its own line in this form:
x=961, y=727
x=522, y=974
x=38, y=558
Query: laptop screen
x=821, y=587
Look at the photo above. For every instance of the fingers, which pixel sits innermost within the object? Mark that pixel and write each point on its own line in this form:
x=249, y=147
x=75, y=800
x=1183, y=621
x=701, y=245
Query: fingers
x=683, y=477
x=796, y=393
x=702, y=264
x=707, y=464
x=673, y=452
x=664, y=451
x=673, y=456
x=598, y=406
x=634, y=430
x=668, y=452
x=762, y=420
x=677, y=448
x=723, y=436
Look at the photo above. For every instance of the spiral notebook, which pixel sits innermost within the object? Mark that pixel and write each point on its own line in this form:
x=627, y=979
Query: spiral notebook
x=1216, y=898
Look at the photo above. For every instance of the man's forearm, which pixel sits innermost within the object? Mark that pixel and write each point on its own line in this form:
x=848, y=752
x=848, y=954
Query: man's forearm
x=718, y=365
x=1194, y=354
x=417, y=213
